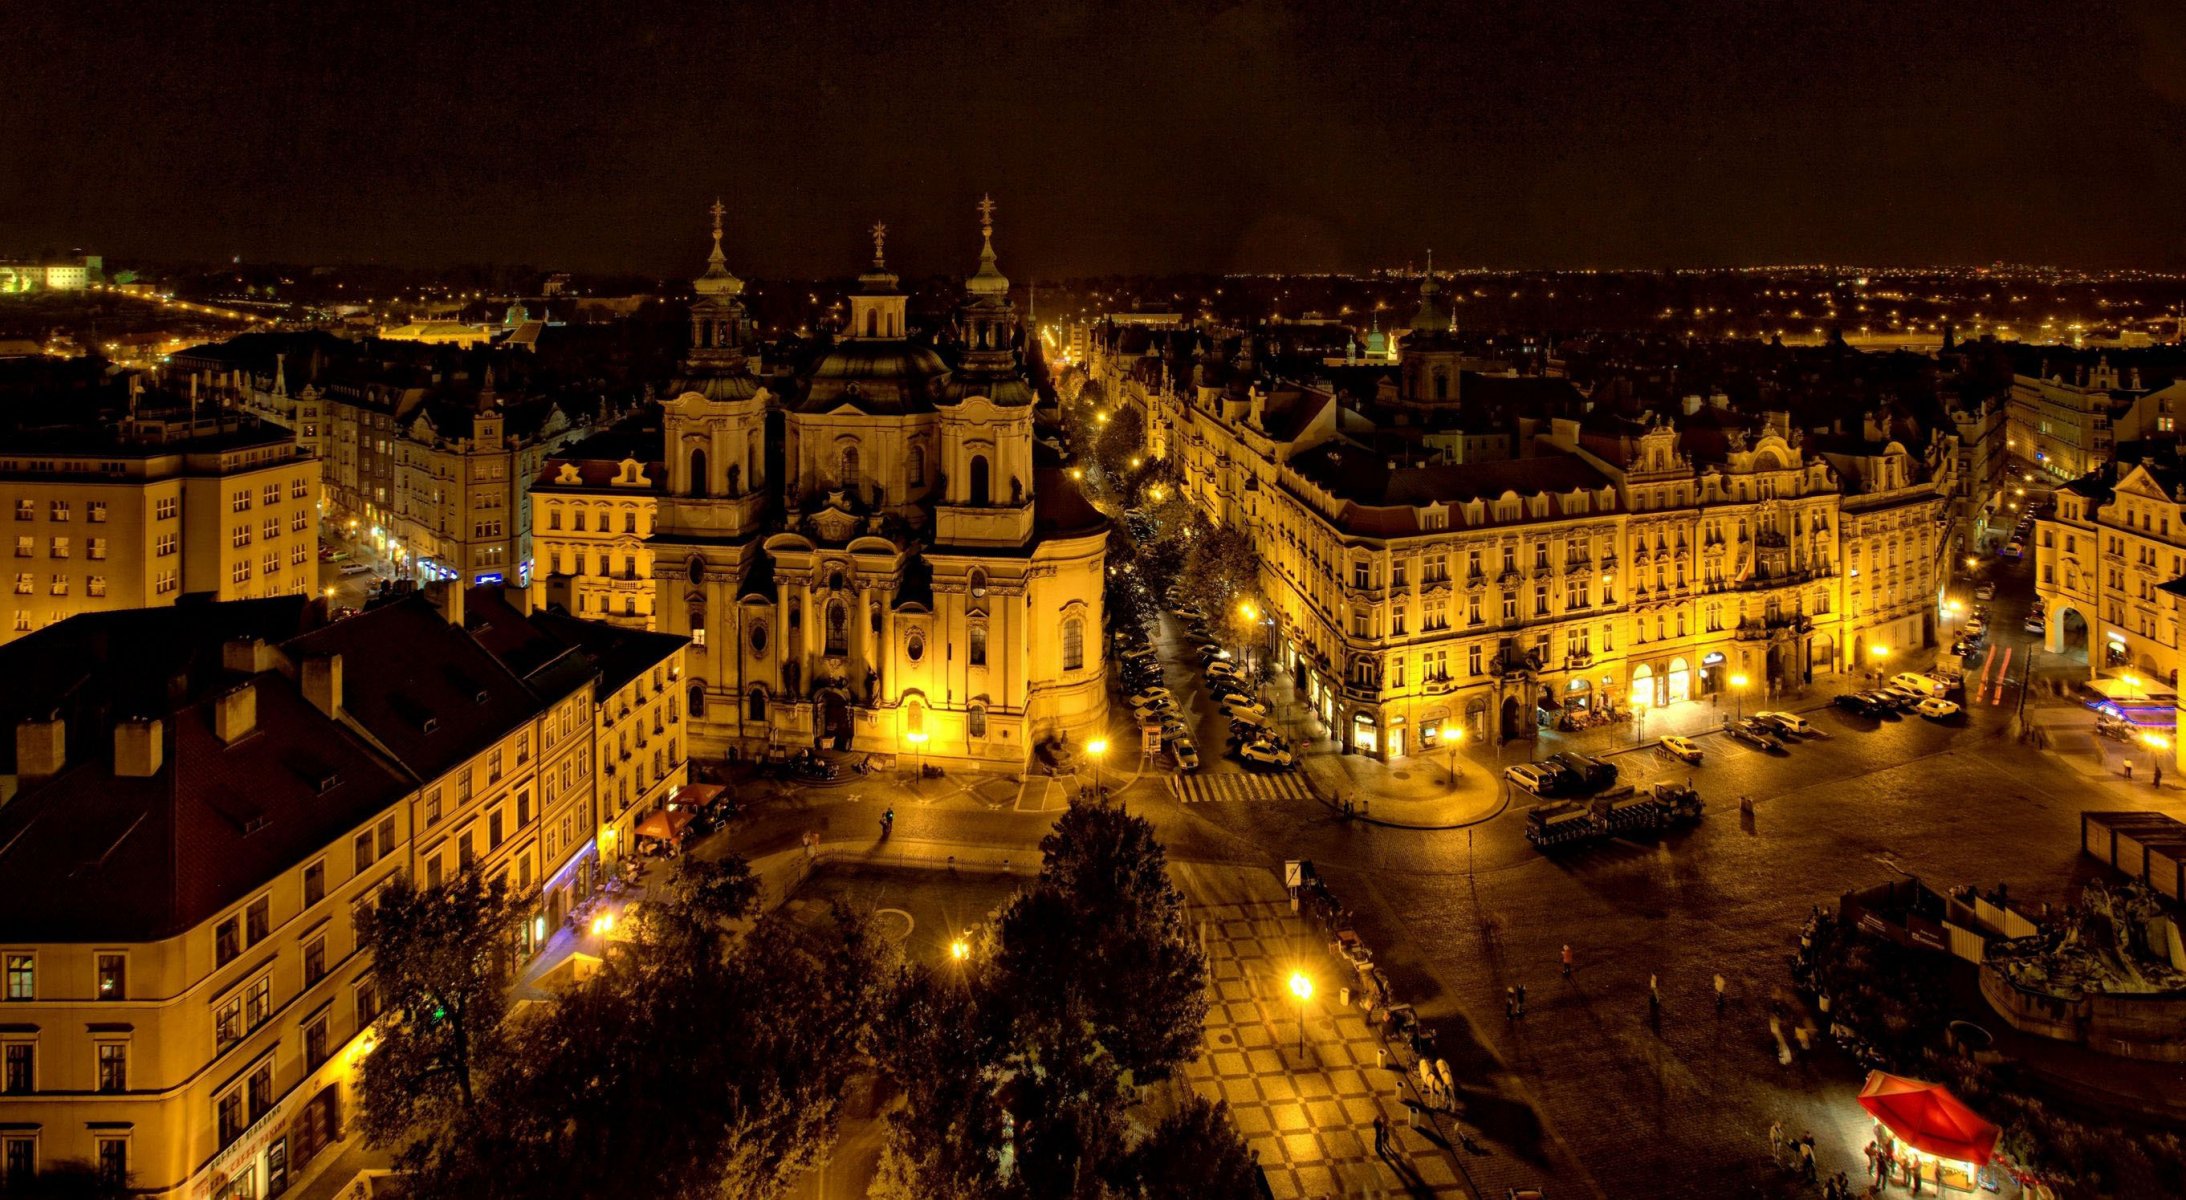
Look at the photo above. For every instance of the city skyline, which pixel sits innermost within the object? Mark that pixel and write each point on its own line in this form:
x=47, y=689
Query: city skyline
x=1245, y=137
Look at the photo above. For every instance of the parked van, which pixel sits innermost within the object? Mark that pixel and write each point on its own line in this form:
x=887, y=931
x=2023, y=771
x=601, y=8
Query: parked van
x=1913, y=682
x=1536, y=779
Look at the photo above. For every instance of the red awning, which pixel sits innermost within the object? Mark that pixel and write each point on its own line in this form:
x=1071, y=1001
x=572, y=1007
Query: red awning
x=1927, y=1117
x=695, y=795
x=663, y=824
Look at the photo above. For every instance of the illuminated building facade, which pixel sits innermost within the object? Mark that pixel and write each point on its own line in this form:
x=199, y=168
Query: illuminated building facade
x=871, y=552
x=166, y=506
x=1501, y=564
x=2065, y=428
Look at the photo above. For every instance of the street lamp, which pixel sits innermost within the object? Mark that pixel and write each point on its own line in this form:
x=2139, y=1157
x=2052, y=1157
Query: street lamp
x=1738, y=696
x=1640, y=704
x=1095, y=749
x=2155, y=742
x=959, y=950
x=1451, y=736
x=1301, y=986
x=1881, y=655
x=918, y=754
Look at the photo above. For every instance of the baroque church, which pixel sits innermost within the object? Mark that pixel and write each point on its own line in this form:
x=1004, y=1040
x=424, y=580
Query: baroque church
x=871, y=550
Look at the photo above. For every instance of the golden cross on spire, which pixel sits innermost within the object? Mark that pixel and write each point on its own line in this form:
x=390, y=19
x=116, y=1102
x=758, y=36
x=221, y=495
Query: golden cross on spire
x=986, y=215
x=880, y=239
x=717, y=210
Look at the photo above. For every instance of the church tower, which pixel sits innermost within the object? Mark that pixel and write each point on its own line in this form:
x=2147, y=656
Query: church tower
x=719, y=327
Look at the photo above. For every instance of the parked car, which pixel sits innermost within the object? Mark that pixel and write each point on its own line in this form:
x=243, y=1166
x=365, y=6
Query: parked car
x=1221, y=666
x=2035, y=624
x=1680, y=747
x=1246, y=729
x=1210, y=652
x=1190, y=614
x=1898, y=698
x=1861, y=704
x=1987, y=591
x=1754, y=734
x=1151, y=695
x=1925, y=685
x=1266, y=755
x=1533, y=778
x=1935, y=709
x=355, y=568
x=1242, y=705
x=2014, y=550
x=1786, y=722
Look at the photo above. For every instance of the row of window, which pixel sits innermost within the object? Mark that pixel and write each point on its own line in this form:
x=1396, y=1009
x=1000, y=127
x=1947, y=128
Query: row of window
x=240, y=499
x=94, y=548
x=61, y=510
x=27, y=584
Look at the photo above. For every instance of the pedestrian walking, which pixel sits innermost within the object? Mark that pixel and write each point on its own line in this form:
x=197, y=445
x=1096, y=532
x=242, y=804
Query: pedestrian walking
x=1521, y=999
x=1776, y=1141
x=1654, y=989
x=2159, y=774
x=1381, y=1134
x=1567, y=960
x=1872, y=1155
x=1510, y=1004
x=1806, y=1156
x=1719, y=986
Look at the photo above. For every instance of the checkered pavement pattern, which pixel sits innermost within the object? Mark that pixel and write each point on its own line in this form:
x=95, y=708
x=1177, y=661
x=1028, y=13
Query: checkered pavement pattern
x=1309, y=1120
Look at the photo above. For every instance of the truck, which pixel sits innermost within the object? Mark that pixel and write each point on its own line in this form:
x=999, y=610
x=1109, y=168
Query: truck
x=1624, y=811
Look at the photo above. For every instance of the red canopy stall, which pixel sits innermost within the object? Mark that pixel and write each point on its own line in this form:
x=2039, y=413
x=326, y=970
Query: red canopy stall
x=1927, y=1117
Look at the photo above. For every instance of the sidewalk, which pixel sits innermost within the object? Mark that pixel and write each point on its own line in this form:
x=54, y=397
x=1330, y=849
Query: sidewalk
x=1308, y=1117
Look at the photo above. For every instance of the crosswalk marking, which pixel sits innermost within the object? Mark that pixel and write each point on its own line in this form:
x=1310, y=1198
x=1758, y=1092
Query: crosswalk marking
x=1206, y=789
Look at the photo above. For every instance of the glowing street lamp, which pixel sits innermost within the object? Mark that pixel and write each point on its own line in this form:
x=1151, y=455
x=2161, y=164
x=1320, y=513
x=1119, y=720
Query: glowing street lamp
x=1096, y=750
x=1738, y=696
x=918, y=754
x=1301, y=986
x=1451, y=736
x=959, y=950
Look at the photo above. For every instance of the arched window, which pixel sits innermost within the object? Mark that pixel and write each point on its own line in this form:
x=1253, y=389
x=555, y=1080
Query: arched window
x=847, y=469
x=698, y=472
x=736, y=480
x=1073, y=644
x=1442, y=383
x=977, y=722
x=838, y=628
x=630, y=520
x=697, y=700
x=758, y=710
x=978, y=582
x=979, y=493
x=917, y=464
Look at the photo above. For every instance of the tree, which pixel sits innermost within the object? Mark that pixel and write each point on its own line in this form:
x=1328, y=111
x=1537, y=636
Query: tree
x=1222, y=572
x=698, y=1062
x=1195, y=1153
x=1101, y=932
x=442, y=961
x=1017, y=1075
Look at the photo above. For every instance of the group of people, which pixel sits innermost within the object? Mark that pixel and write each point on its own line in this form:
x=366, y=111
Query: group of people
x=1800, y=1152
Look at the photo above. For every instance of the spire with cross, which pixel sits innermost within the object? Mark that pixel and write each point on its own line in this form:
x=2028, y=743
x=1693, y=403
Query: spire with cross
x=880, y=242
x=986, y=216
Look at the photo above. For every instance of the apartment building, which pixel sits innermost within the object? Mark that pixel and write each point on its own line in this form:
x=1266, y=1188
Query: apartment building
x=197, y=800
x=463, y=471
x=593, y=507
x=2065, y=427
x=1430, y=566
x=2110, y=570
x=164, y=505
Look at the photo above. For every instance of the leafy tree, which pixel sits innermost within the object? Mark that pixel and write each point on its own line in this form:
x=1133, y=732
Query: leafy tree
x=442, y=959
x=1194, y=1153
x=1221, y=572
x=1016, y=1076
x=697, y=1063
x=1101, y=934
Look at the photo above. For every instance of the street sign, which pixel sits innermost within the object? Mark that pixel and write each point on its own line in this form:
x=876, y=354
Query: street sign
x=1294, y=873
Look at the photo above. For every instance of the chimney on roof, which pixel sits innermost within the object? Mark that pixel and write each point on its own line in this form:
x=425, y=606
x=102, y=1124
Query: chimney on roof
x=139, y=748
x=1692, y=404
x=517, y=596
x=322, y=683
x=235, y=713
x=248, y=656
x=41, y=747
x=447, y=597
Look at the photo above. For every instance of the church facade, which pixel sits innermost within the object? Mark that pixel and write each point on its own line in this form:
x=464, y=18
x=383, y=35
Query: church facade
x=872, y=551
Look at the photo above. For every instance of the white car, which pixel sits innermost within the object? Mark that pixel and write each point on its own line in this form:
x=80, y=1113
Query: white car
x=1261, y=754
x=1788, y=722
x=1240, y=706
x=1186, y=754
x=1986, y=591
x=1219, y=667
x=1149, y=697
x=1936, y=709
x=1682, y=747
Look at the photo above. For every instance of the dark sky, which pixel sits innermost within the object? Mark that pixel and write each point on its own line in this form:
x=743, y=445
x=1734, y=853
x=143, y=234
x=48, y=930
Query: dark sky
x=1118, y=136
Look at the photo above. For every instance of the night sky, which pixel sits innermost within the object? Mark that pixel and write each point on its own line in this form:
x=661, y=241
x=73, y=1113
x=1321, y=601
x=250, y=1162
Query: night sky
x=1117, y=136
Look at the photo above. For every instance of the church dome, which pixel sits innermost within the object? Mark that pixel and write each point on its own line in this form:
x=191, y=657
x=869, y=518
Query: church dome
x=875, y=375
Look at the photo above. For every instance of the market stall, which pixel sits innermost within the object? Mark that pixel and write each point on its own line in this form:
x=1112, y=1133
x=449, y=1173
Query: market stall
x=1938, y=1136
